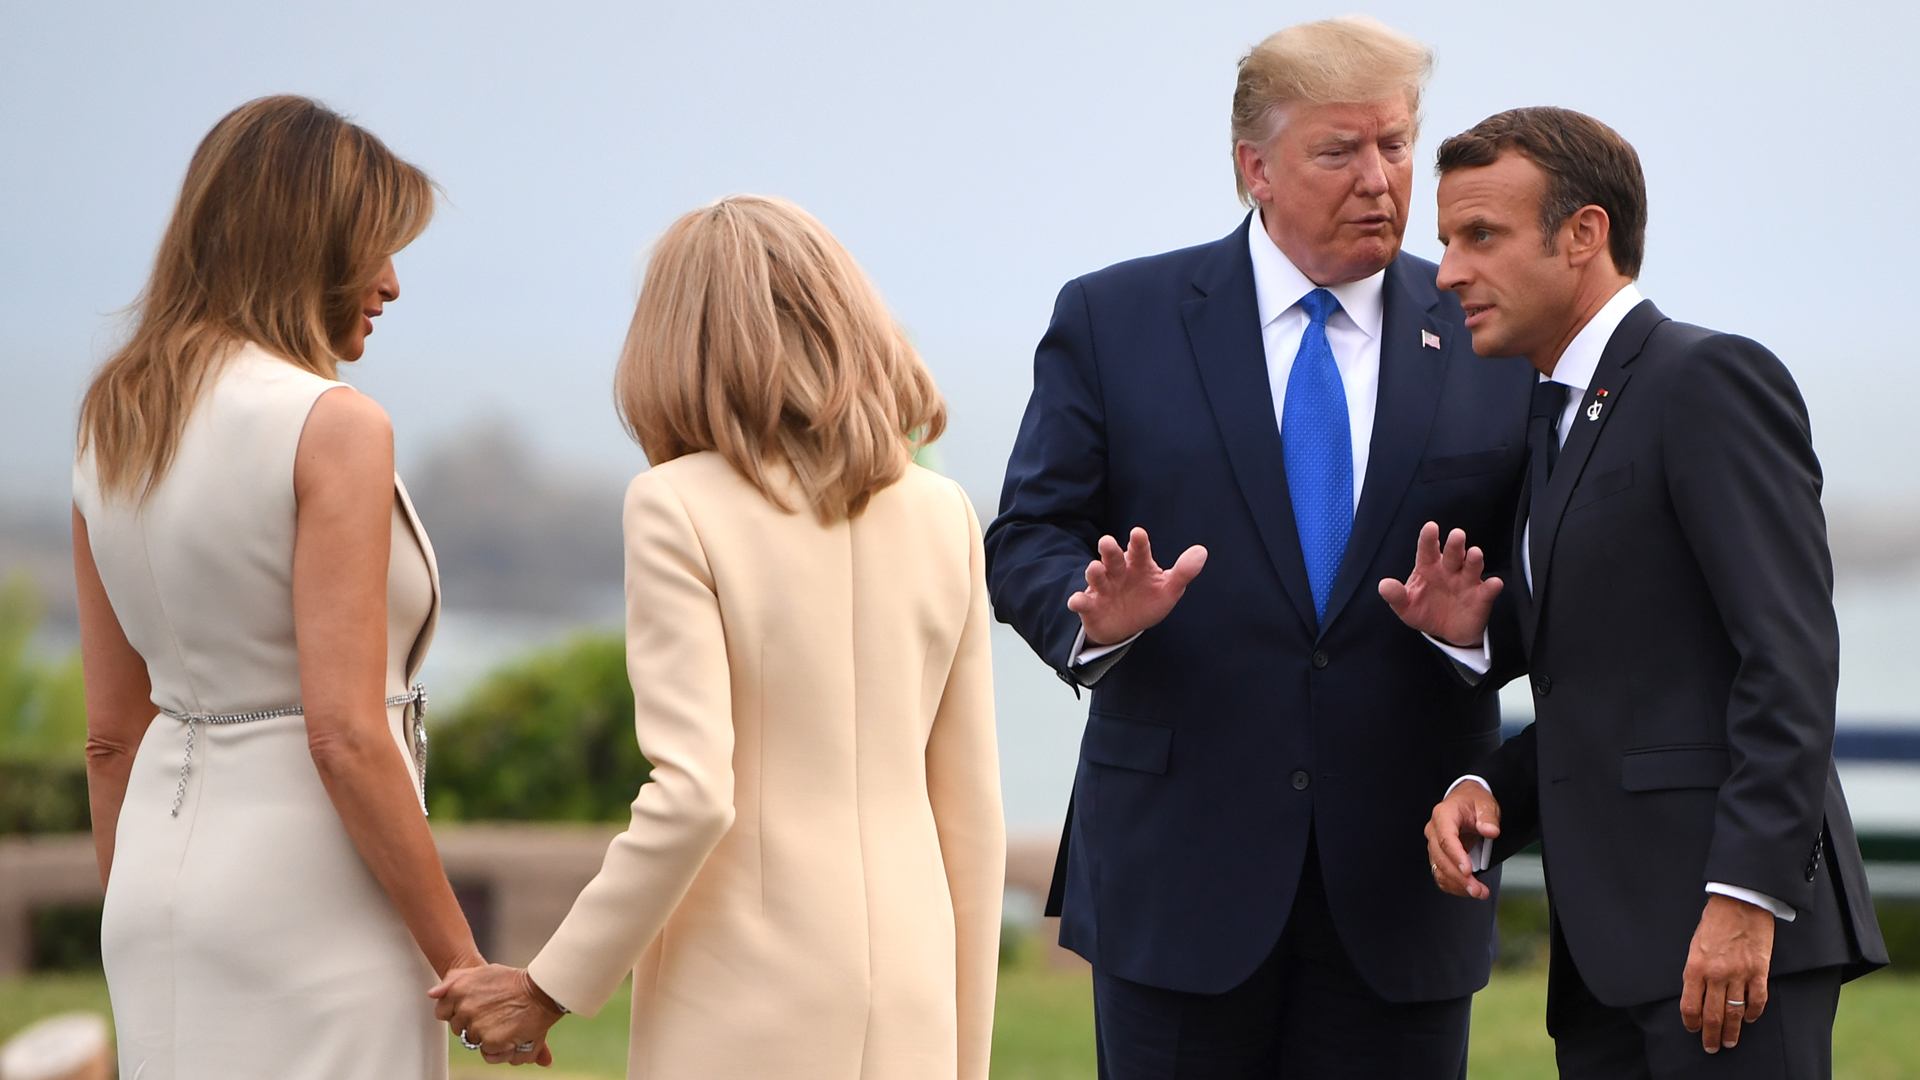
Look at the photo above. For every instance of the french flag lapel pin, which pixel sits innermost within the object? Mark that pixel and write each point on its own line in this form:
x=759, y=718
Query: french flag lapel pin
x=1429, y=339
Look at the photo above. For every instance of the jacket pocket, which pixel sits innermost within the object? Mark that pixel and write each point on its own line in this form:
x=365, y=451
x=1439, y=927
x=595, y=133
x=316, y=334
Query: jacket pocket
x=1663, y=768
x=1127, y=744
x=1611, y=482
x=1458, y=465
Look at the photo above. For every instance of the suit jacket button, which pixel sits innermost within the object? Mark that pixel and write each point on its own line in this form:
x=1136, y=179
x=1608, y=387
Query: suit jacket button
x=1301, y=780
x=1542, y=685
x=1320, y=658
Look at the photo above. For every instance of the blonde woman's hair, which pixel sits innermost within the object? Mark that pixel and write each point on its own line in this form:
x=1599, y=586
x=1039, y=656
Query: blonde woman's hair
x=285, y=221
x=1351, y=59
x=758, y=336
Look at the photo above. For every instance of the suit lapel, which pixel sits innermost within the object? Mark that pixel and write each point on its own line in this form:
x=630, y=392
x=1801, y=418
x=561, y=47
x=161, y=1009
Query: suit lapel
x=1223, y=328
x=418, y=654
x=1595, y=410
x=1407, y=397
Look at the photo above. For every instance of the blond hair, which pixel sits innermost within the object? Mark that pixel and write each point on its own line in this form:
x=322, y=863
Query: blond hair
x=284, y=223
x=1351, y=59
x=757, y=336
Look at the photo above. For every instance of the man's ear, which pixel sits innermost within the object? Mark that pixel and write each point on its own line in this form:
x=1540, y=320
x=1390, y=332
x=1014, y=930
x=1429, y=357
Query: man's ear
x=1585, y=235
x=1252, y=163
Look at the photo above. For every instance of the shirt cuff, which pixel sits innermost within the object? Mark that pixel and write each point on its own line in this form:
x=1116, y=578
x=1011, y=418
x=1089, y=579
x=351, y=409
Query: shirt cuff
x=1783, y=912
x=1475, y=659
x=1089, y=664
x=1482, y=852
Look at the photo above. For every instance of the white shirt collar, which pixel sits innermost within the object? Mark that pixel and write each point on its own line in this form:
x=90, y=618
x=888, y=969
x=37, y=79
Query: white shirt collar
x=1278, y=285
x=1582, y=358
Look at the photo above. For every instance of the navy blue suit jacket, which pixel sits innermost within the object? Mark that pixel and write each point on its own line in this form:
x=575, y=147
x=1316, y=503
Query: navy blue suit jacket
x=1238, y=729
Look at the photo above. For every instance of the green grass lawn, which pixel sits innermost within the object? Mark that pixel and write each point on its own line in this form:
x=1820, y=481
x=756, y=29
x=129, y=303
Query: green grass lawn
x=1043, y=1027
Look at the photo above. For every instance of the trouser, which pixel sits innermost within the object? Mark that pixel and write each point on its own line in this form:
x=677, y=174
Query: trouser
x=1304, y=1014
x=1792, y=1040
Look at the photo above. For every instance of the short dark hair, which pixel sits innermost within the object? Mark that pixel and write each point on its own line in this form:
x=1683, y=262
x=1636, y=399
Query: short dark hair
x=1587, y=164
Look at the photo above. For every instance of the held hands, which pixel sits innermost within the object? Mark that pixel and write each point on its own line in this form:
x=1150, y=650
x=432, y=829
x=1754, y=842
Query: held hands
x=1445, y=596
x=1468, y=814
x=1725, y=984
x=1128, y=592
x=499, y=1008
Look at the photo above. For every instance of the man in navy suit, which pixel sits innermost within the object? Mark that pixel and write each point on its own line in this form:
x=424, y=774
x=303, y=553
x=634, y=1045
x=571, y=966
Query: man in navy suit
x=1244, y=863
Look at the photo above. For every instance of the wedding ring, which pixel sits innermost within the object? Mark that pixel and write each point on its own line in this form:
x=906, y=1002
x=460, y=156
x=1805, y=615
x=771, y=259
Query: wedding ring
x=465, y=1043
x=523, y=1048
x=1742, y=1004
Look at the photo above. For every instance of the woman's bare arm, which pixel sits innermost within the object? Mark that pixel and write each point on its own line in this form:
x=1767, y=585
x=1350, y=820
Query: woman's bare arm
x=119, y=698
x=343, y=482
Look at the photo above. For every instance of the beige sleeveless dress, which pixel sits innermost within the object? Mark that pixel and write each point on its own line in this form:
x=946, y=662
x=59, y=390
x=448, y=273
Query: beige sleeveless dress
x=243, y=935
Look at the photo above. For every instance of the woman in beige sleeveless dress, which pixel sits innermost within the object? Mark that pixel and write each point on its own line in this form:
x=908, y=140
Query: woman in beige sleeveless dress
x=256, y=598
x=810, y=886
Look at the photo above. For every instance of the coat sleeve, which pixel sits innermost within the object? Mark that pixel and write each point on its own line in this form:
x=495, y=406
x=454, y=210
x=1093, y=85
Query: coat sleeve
x=1514, y=772
x=1053, y=504
x=683, y=717
x=1745, y=486
x=963, y=785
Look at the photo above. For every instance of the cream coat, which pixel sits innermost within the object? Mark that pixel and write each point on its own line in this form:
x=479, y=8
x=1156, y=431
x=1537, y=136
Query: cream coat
x=810, y=885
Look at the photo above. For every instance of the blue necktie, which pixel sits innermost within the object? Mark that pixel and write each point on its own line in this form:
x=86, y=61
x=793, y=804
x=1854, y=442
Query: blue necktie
x=1317, y=445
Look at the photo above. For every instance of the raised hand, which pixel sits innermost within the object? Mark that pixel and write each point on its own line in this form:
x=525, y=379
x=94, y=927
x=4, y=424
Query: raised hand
x=1127, y=592
x=500, y=1009
x=1467, y=815
x=1446, y=595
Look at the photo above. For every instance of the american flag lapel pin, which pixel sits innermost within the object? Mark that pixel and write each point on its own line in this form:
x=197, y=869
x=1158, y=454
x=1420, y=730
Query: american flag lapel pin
x=1429, y=339
x=1599, y=400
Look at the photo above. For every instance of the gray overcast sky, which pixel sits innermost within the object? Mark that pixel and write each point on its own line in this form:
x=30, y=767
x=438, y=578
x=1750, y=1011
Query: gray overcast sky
x=973, y=157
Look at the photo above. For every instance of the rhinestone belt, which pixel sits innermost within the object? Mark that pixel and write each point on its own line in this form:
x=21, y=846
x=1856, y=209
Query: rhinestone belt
x=417, y=697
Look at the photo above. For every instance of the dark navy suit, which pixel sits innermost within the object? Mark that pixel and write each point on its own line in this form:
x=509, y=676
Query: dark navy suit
x=1239, y=734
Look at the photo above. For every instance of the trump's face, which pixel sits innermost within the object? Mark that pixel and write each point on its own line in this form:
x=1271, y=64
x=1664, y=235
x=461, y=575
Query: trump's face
x=1517, y=291
x=1333, y=186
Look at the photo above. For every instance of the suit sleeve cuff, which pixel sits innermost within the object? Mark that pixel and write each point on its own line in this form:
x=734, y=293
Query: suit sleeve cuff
x=1783, y=912
x=1474, y=661
x=1088, y=664
x=1481, y=853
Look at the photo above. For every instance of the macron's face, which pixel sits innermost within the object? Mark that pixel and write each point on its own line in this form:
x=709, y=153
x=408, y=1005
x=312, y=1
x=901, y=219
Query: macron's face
x=1516, y=293
x=385, y=288
x=1333, y=186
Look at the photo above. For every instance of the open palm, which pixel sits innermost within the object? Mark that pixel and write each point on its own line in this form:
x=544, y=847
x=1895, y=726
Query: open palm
x=1446, y=595
x=1127, y=591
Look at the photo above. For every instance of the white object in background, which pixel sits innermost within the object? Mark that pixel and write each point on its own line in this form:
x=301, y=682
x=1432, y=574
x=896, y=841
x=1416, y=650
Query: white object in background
x=71, y=1046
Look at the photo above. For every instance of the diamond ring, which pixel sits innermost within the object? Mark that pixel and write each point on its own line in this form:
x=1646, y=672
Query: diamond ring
x=465, y=1043
x=523, y=1048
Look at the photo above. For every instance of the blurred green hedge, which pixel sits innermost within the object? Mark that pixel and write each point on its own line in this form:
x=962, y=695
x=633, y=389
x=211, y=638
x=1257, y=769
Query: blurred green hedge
x=547, y=738
x=43, y=725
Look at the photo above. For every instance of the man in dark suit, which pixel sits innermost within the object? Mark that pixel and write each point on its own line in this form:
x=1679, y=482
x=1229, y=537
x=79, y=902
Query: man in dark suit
x=1243, y=863
x=1671, y=598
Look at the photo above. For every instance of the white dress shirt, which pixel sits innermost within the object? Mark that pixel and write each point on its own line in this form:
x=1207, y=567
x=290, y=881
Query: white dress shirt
x=1353, y=332
x=1575, y=371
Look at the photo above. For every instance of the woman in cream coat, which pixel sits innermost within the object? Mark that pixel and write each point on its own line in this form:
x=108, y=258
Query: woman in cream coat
x=810, y=886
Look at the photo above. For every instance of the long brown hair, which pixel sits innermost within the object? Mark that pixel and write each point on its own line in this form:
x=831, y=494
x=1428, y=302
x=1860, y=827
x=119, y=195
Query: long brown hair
x=286, y=218
x=758, y=336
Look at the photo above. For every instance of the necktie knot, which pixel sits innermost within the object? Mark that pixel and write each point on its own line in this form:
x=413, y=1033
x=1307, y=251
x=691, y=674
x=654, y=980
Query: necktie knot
x=1549, y=399
x=1319, y=304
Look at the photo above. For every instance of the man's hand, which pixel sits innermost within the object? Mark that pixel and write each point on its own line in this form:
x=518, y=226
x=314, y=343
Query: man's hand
x=1725, y=984
x=1467, y=814
x=501, y=1009
x=1128, y=592
x=1445, y=596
